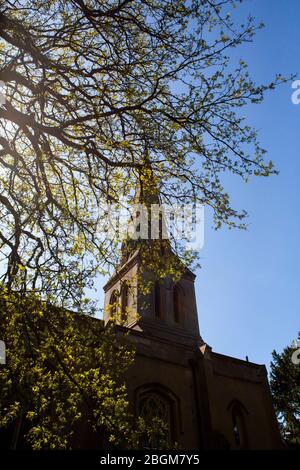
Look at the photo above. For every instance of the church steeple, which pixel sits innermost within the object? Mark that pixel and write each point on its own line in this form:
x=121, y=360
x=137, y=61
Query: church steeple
x=145, y=297
x=147, y=190
x=146, y=196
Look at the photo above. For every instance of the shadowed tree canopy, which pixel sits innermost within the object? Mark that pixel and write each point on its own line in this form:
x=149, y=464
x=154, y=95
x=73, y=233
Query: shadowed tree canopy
x=285, y=387
x=93, y=88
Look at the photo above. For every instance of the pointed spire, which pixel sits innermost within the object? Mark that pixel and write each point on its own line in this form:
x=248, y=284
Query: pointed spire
x=146, y=194
x=147, y=191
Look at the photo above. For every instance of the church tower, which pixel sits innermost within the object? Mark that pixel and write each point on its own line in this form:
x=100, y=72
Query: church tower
x=145, y=301
x=161, y=314
x=207, y=400
x=167, y=308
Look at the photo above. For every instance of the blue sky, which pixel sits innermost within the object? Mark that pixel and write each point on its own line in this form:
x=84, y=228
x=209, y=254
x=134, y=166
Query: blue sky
x=248, y=287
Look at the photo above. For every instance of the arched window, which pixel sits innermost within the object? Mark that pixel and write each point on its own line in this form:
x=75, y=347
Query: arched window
x=155, y=409
x=113, y=302
x=239, y=426
x=124, y=301
x=157, y=299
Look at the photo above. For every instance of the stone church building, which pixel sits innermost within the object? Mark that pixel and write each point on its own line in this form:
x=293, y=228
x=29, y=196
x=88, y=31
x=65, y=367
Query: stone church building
x=209, y=400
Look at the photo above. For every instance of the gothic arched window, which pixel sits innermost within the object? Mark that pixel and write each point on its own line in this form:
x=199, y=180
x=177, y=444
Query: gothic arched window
x=124, y=301
x=113, y=302
x=155, y=409
x=239, y=426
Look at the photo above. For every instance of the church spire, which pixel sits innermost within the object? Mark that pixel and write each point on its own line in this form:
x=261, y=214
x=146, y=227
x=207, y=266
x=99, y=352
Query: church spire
x=146, y=280
x=146, y=195
x=147, y=191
